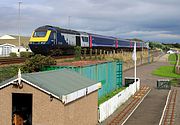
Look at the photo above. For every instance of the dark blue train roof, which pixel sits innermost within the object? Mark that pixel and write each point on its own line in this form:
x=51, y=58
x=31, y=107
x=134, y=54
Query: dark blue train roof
x=49, y=27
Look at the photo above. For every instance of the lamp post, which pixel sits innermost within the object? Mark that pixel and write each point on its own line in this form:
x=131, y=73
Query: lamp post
x=19, y=26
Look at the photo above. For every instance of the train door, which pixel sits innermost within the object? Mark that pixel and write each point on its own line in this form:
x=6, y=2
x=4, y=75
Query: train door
x=84, y=41
x=53, y=37
x=78, y=41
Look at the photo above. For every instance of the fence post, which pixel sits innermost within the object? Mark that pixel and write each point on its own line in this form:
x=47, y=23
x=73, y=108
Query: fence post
x=85, y=50
x=104, y=54
x=95, y=53
x=91, y=53
x=100, y=53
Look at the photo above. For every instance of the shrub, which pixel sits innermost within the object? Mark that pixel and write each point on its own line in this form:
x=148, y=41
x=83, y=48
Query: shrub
x=37, y=62
x=13, y=54
x=8, y=72
x=77, y=52
x=26, y=54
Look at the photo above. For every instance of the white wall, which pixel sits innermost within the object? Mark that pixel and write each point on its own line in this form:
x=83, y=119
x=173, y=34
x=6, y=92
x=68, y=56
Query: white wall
x=5, y=50
x=107, y=108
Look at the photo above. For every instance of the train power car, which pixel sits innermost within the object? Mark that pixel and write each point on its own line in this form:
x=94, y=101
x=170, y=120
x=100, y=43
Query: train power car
x=46, y=39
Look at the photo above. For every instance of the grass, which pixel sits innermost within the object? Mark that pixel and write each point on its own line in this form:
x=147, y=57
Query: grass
x=175, y=82
x=172, y=59
x=110, y=95
x=166, y=71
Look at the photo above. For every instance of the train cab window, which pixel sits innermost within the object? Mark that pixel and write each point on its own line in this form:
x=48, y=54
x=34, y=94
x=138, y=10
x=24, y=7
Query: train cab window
x=85, y=39
x=39, y=34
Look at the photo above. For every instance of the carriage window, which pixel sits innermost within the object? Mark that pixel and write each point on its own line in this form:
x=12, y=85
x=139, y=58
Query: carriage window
x=39, y=34
x=85, y=39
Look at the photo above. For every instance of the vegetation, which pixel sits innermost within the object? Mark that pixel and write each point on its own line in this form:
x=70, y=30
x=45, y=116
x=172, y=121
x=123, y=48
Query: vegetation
x=166, y=71
x=37, y=62
x=56, y=52
x=176, y=45
x=110, y=95
x=175, y=82
x=33, y=64
x=13, y=55
x=154, y=45
x=172, y=59
x=77, y=52
x=8, y=72
x=26, y=54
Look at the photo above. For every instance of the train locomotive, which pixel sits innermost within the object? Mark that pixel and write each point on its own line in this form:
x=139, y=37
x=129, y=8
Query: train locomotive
x=46, y=39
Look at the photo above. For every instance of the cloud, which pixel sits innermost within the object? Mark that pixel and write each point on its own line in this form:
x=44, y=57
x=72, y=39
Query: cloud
x=169, y=36
x=143, y=19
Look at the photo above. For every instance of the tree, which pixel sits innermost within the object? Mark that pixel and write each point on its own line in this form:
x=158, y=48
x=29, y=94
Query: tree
x=37, y=62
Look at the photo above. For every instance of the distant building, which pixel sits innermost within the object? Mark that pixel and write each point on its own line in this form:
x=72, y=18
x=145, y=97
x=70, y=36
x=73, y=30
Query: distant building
x=10, y=43
x=60, y=97
x=6, y=49
x=12, y=39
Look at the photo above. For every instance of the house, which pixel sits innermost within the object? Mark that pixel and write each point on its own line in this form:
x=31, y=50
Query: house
x=60, y=97
x=10, y=43
x=6, y=49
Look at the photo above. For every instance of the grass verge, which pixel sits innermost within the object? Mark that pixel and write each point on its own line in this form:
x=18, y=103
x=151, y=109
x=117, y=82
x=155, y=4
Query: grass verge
x=172, y=58
x=110, y=95
x=166, y=71
x=175, y=82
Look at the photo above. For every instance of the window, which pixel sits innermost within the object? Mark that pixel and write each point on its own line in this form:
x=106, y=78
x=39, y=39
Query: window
x=39, y=34
x=85, y=39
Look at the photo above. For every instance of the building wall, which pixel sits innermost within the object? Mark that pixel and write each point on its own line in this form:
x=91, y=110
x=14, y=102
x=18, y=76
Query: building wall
x=46, y=112
x=83, y=111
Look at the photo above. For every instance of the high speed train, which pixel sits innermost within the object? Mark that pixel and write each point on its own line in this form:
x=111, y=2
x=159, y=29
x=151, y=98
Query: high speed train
x=46, y=39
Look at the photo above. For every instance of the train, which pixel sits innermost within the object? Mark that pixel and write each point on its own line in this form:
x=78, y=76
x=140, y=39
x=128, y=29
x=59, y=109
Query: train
x=48, y=39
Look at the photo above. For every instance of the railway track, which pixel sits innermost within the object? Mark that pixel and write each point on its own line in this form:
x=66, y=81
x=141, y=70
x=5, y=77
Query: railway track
x=121, y=117
x=169, y=112
x=6, y=61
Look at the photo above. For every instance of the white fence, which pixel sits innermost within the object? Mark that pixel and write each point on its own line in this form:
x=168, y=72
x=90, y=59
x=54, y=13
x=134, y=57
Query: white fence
x=108, y=107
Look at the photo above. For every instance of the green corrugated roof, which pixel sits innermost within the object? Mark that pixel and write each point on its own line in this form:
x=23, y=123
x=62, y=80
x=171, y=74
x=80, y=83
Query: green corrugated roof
x=59, y=82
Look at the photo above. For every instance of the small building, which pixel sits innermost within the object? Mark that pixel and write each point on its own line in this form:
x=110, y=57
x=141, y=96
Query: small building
x=60, y=97
x=13, y=39
x=108, y=73
x=6, y=49
x=10, y=43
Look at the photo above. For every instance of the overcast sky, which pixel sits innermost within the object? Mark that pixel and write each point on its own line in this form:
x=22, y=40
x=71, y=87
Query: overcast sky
x=154, y=20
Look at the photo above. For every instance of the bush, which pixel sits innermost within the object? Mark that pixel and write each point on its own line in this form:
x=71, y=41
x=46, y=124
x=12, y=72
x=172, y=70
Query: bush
x=26, y=54
x=8, y=72
x=37, y=62
x=13, y=54
x=77, y=52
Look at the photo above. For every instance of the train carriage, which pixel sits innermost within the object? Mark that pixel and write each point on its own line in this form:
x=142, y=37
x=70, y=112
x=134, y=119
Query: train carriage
x=48, y=39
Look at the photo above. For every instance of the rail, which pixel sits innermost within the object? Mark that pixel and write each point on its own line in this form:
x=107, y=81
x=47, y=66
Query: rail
x=123, y=115
x=169, y=111
x=5, y=61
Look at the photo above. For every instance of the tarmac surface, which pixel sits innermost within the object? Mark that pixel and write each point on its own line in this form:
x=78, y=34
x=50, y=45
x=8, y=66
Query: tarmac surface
x=150, y=110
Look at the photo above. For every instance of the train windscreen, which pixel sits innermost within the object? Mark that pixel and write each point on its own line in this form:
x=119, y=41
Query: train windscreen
x=39, y=34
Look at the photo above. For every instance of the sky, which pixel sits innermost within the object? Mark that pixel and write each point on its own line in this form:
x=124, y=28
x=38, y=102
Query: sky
x=149, y=20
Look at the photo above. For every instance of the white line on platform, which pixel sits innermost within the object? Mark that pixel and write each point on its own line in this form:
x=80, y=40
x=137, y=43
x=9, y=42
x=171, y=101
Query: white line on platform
x=135, y=108
x=160, y=122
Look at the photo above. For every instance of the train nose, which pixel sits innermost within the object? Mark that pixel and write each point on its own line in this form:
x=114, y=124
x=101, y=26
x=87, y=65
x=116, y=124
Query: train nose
x=39, y=49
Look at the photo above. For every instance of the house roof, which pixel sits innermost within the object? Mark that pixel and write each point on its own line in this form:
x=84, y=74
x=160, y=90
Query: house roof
x=6, y=39
x=63, y=84
x=7, y=44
